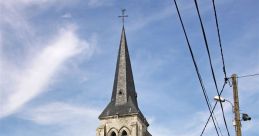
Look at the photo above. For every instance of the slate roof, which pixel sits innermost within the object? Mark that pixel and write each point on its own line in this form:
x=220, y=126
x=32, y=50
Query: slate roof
x=124, y=97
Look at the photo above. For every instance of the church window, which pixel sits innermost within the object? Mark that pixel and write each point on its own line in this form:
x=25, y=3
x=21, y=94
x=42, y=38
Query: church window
x=113, y=134
x=124, y=133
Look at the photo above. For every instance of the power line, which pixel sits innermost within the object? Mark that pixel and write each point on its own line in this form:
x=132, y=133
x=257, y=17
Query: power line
x=211, y=67
x=196, y=67
x=212, y=110
x=217, y=123
x=219, y=39
x=251, y=75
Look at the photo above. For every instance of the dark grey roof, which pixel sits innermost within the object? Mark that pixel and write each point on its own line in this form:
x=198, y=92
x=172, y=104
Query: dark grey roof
x=124, y=97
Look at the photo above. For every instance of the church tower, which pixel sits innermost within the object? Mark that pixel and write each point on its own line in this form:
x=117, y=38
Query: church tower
x=122, y=116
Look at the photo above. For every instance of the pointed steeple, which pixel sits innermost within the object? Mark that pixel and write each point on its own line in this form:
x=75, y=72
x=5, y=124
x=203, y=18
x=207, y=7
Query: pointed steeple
x=124, y=97
x=123, y=87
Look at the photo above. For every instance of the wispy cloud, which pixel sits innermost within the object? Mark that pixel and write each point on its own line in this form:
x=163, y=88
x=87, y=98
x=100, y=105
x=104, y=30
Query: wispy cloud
x=74, y=120
x=23, y=81
x=144, y=21
x=98, y=3
x=67, y=15
x=32, y=80
x=59, y=113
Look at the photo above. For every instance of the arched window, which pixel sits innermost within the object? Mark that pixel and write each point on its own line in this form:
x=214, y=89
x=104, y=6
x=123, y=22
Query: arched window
x=113, y=134
x=124, y=133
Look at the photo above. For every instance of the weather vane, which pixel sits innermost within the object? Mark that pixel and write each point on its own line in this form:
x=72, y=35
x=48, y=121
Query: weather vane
x=123, y=15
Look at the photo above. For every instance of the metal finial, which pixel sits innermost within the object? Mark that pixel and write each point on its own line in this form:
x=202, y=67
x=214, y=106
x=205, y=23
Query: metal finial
x=123, y=15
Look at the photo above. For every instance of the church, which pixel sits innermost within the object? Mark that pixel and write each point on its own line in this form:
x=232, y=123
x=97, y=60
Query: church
x=122, y=116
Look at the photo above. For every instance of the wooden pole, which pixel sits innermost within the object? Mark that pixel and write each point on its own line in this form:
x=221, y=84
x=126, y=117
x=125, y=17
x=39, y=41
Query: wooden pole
x=236, y=106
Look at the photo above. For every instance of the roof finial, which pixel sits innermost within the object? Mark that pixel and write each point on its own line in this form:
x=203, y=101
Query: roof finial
x=123, y=15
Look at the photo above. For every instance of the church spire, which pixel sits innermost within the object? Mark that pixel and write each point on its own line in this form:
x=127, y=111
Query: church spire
x=124, y=97
x=122, y=116
x=123, y=87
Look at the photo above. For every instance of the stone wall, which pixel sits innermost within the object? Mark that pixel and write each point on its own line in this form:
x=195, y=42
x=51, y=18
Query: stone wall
x=130, y=124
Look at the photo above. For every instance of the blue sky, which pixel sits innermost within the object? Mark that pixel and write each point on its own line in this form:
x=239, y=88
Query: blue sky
x=57, y=64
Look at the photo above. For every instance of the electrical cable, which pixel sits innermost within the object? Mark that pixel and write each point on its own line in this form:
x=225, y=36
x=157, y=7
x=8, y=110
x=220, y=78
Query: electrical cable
x=220, y=94
x=211, y=67
x=217, y=124
x=212, y=110
x=219, y=39
x=251, y=75
x=196, y=67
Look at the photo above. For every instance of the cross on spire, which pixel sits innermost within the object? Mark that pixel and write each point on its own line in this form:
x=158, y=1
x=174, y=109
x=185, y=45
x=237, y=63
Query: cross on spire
x=123, y=15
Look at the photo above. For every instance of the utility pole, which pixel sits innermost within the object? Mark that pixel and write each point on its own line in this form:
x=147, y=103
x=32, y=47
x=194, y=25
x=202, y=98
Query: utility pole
x=237, y=123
